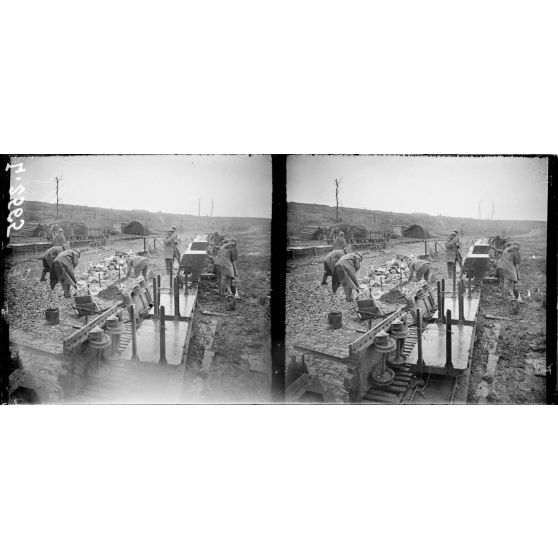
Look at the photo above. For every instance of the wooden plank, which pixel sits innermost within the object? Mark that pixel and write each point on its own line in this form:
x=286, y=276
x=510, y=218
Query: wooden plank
x=320, y=354
x=365, y=340
x=207, y=359
x=80, y=336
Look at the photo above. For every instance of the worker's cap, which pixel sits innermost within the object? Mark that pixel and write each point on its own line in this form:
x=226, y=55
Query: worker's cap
x=358, y=254
x=173, y=228
x=341, y=233
x=454, y=232
x=170, y=230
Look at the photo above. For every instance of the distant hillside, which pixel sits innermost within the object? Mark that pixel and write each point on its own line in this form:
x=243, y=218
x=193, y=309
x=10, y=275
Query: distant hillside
x=101, y=217
x=301, y=215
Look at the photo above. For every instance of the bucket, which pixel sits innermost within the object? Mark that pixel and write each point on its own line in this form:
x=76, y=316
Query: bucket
x=335, y=319
x=52, y=315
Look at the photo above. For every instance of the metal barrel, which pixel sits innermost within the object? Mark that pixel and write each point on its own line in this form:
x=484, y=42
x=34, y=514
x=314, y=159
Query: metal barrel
x=132, y=311
x=162, y=346
x=448, y=340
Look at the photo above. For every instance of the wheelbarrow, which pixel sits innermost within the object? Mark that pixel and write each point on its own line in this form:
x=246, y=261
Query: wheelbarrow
x=85, y=306
x=367, y=309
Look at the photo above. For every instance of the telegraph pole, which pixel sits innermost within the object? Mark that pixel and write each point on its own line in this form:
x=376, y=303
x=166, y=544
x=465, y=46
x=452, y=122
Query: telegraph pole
x=58, y=180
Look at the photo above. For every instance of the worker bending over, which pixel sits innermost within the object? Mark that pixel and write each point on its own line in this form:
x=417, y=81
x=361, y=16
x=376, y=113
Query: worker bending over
x=64, y=265
x=48, y=259
x=329, y=263
x=421, y=268
x=137, y=265
x=344, y=273
x=508, y=269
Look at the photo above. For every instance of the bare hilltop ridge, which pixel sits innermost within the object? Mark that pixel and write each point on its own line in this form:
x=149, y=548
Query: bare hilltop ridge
x=303, y=215
x=43, y=213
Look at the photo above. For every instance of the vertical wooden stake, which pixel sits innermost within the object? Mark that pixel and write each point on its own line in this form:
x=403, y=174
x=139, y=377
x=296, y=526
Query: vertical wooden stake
x=162, y=346
x=449, y=364
x=155, y=300
x=132, y=311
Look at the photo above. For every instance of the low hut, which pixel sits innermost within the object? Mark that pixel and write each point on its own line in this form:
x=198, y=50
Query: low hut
x=136, y=228
x=416, y=231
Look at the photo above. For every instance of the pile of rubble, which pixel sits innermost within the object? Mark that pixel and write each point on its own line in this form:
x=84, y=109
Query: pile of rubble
x=386, y=277
x=102, y=278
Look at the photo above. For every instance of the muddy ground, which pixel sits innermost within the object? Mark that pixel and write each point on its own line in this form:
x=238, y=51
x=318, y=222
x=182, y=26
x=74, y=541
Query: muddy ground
x=516, y=370
x=240, y=369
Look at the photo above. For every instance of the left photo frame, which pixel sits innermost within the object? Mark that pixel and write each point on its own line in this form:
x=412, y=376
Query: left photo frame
x=138, y=279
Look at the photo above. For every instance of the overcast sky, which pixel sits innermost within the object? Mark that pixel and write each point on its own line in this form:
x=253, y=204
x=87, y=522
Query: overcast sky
x=451, y=186
x=239, y=185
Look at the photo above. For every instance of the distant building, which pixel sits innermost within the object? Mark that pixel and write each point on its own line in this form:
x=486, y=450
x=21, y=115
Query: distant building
x=398, y=229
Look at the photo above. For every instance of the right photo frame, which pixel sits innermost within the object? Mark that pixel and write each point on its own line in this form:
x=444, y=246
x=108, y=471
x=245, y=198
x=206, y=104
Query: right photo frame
x=418, y=280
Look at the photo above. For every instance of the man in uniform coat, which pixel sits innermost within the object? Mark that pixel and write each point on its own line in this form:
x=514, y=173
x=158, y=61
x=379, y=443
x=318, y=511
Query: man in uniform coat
x=64, y=265
x=339, y=243
x=344, y=274
x=329, y=263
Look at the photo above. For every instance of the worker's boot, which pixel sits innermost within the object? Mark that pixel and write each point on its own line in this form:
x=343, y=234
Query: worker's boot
x=43, y=275
x=324, y=279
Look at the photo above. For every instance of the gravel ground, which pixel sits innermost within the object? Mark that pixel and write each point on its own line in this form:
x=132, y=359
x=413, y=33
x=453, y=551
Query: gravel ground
x=520, y=346
x=242, y=334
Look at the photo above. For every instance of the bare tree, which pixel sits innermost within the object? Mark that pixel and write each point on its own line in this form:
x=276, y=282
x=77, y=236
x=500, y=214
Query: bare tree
x=58, y=180
x=211, y=207
x=337, y=184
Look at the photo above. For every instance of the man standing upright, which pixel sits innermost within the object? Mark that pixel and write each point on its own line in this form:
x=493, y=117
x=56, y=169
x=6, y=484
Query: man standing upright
x=452, y=251
x=340, y=242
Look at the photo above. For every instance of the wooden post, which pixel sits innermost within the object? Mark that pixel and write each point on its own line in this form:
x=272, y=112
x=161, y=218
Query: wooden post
x=443, y=300
x=99, y=280
x=162, y=346
x=154, y=241
x=144, y=246
x=469, y=285
x=381, y=283
x=439, y=292
x=425, y=248
x=461, y=303
x=448, y=340
x=155, y=299
x=454, y=279
x=176, y=301
x=436, y=246
x=134, y=339
x=158, y=291
x=420, y=361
